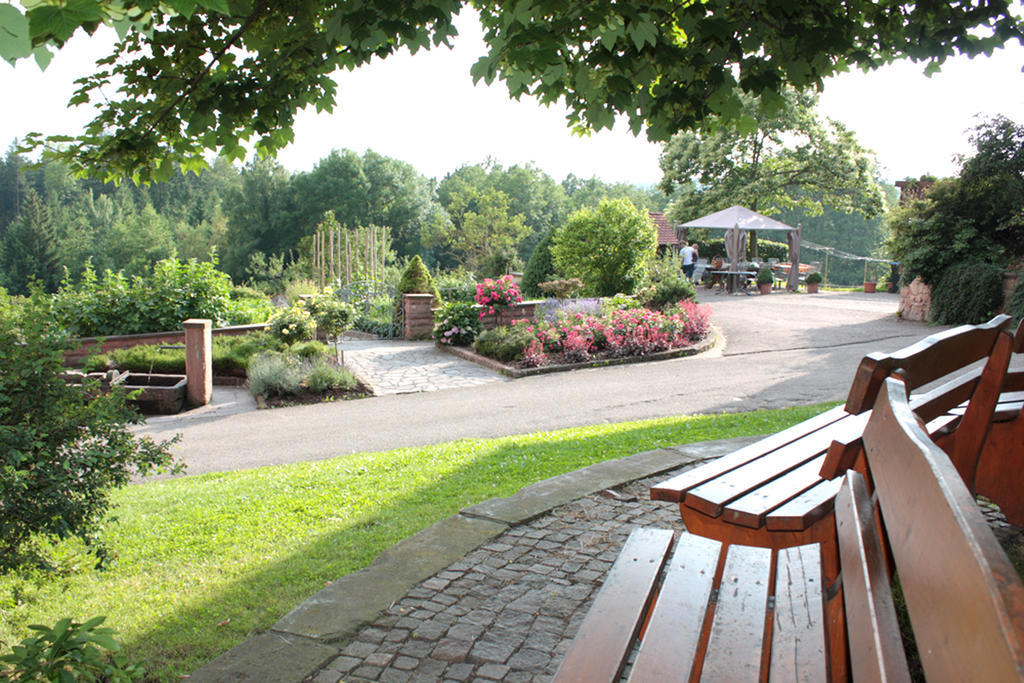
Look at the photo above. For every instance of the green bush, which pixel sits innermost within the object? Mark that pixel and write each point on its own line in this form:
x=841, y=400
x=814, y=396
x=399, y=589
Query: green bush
x=332, y=316
x=667, y=285
x=969, y=292
x=114, y=304
x=274, y=374
x=457, y=323
x=62, y=450
x=248, y=306
x=70, y=651
x=813, y=278
x=608, y=247
x=310, y=350
x=230, y=354
x=764, y=276
x=503, y=343
x=540, y=268
x=321, y=377
x=456, y=285
x=291, y=325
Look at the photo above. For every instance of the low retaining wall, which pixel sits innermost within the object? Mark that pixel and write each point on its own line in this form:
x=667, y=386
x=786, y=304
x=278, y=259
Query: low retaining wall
x=419, y=315
x=916, y=298
x=86, y=346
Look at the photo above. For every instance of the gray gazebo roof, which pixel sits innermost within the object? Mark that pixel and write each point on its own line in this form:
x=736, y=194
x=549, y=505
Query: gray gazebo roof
x=737, y=217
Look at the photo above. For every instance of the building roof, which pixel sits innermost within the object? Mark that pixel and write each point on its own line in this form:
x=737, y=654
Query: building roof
x=666, y=233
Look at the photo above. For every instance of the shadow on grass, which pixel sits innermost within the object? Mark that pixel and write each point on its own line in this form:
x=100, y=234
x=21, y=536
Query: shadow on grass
x=199, y=631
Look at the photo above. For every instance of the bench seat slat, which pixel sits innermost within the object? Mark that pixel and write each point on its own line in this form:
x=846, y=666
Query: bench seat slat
x=798, y=626
x=674, y=631
x=873, y=632
x=751, y=509
x=712, y=496
x=807, y=508
x=619, y=608
x=675, y=488
x=737, y=632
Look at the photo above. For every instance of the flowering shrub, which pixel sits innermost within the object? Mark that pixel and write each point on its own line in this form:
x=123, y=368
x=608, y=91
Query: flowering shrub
x=493, y=295
x=457, y=324
x=578, y=337
x=291, y=325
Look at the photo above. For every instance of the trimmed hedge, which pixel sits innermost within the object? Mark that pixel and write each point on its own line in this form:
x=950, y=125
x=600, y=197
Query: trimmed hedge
x=970, y=292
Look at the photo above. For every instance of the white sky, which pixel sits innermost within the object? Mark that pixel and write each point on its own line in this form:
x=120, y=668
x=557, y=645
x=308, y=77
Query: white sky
x=425, y=110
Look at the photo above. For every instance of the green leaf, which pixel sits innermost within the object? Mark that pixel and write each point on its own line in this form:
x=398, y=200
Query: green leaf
x=42, y=57
x=14, y=34
x=58, y=23
x=220, y=6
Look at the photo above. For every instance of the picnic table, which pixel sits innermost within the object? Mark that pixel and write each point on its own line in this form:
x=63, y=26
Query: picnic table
x=734, y=280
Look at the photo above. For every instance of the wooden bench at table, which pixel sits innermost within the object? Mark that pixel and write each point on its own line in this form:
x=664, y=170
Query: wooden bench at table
x=719, y=612
x=780, y=491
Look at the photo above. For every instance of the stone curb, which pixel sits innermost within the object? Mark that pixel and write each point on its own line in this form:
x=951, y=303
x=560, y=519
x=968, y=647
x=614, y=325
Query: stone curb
x=307, y=637
x=516, y=373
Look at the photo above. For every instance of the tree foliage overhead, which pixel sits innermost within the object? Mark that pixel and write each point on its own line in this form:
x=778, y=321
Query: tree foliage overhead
x=198, y=75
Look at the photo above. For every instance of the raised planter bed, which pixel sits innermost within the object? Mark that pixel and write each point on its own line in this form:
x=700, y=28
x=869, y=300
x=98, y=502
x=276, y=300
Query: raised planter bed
x=515, y=372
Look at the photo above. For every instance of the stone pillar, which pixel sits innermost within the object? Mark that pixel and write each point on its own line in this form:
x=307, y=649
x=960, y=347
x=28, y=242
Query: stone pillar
x=419, y=316
x=199, y=360
x=916, y=301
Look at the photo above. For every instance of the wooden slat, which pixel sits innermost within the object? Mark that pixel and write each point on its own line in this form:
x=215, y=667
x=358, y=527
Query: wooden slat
x=712, y=496
x=930, y=404
x=873, y=632
x=750, y=510
x=601, y=645
x=805, y=509
x=675, y=488
x=670, y=644
x=973, y=428
x=737, y=632
x=966, y=601
x=798, y=626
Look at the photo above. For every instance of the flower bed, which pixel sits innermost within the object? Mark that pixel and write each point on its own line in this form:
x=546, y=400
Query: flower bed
x=575, y=338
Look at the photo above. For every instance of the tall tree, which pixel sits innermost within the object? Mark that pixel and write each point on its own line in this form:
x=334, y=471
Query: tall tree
x=590, y=191
x=201, y=75
x=782, y=161
x=481, y=226
x=29, y=248
x=261, y=216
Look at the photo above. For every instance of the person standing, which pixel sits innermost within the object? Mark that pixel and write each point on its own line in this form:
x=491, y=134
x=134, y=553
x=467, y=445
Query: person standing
x=689, y=255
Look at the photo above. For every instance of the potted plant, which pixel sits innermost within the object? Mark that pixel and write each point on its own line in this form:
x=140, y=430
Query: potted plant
x=869, y=287
x=764, y=280
x=813, y=280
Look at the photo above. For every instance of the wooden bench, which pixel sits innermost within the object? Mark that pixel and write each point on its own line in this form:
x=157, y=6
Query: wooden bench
x=780, y=491
x=731, y=612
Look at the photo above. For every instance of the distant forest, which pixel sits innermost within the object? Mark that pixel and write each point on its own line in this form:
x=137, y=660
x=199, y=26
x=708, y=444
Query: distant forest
x=52, y=223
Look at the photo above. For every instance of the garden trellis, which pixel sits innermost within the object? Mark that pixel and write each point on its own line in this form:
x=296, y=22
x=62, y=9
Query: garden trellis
x=342, y=255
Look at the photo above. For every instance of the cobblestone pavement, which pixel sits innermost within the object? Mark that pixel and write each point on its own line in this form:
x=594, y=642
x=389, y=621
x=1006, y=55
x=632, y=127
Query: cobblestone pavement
x=508, y=610
x=405, y=367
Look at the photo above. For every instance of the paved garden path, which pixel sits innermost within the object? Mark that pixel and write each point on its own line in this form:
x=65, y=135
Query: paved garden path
x=778, y=350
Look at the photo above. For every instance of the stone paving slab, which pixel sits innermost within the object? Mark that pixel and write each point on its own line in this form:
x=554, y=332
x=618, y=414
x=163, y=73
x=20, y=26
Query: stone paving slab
x=404, y=367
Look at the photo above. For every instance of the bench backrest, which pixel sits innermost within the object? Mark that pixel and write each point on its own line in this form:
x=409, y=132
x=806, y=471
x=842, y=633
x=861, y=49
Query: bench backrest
x=930, y=359
x=964, y=598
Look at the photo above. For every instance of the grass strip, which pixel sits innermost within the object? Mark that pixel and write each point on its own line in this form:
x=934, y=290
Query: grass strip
x=204, y=562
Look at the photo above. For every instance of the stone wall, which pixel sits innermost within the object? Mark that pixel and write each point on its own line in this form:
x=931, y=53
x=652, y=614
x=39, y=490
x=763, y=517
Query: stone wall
x=916, y=298
x=915, y=301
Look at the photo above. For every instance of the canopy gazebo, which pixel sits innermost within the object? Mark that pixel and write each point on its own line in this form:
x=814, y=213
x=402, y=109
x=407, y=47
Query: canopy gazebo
x=736, y=221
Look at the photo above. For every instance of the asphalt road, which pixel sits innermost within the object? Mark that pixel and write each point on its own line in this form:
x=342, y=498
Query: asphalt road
x=779, y=350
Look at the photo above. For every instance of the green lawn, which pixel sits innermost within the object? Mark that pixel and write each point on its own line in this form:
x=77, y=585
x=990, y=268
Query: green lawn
x=204, y=562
